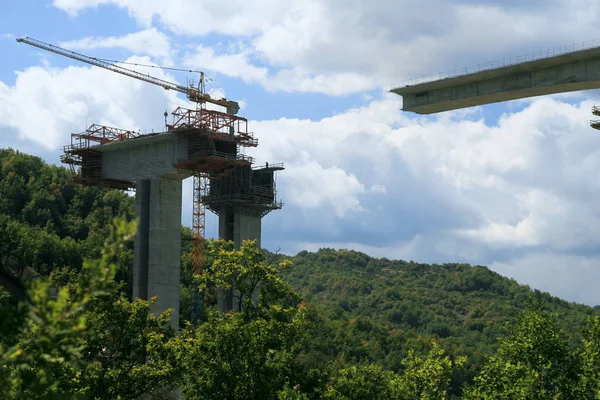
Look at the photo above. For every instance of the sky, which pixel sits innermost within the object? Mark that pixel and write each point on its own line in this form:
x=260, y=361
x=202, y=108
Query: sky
x=513, y=186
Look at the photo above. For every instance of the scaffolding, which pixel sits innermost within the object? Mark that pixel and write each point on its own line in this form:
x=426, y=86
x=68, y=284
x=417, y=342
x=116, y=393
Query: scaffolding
x=201, y=182
x=217, y=124
x=222, y=174
x=251, y=189
x=85, y=161
x=595, y=123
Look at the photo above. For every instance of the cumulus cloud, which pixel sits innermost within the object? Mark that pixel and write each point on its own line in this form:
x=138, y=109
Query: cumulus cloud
x=378, y=189
x=457, y=189
x=149, y=42
x=310, y=185
x=570, y=277
x=345, y=47
x=47, y=104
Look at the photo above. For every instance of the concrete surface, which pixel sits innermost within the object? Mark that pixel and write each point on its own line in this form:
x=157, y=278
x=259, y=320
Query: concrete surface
x=149, y=162
x=565, y=73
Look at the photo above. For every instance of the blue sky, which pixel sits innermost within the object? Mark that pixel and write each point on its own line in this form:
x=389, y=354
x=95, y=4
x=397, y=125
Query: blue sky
x=511, y=186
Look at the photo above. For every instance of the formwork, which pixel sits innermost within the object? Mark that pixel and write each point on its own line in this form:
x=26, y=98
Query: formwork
x=85, y=161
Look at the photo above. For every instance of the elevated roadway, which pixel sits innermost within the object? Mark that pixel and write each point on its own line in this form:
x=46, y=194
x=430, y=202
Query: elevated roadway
x=567, y=72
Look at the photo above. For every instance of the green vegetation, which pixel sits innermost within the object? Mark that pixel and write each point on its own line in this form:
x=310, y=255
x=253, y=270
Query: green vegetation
x=47, y=223
x=326, y=325
x=376, y=310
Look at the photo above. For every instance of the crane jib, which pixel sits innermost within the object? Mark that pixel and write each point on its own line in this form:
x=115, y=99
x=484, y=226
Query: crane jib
x=103, y=64
x=193, y=94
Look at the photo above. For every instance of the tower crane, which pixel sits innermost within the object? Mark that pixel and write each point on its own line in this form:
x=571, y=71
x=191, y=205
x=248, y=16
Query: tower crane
x=196, y=95
x=193, y=94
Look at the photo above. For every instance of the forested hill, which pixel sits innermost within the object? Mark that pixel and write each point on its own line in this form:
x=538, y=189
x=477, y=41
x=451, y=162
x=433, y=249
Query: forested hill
x=362, y=308
x=380, y=308
x=46, y=222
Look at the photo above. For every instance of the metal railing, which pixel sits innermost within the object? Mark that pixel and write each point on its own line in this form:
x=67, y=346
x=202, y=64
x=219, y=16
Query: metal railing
x=519, y=59
x=273, y=165
x=242, y=197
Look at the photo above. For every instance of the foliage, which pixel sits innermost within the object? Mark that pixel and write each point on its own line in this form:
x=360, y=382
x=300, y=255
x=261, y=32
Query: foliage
x=246, y=272
x=368, y=332
x=128, y=350
x=362, y=382
x=368, y=310
x=85, y=341
x=5, y=297
x=249, y=353
x=234, y=358
x=590, y=360
x=427, y=377
x=47, y=222
x=533, y=362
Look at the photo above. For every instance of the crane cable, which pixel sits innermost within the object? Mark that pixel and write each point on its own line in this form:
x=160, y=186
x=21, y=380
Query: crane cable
x=147, y=65
x=208, y=78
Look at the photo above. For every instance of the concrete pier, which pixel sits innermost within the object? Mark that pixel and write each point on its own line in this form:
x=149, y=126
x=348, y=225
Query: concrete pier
x=149, y=162
x=578, y=70
x=156, y=165
x=236, y=225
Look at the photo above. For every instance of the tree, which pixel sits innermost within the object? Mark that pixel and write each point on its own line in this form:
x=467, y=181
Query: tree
x=85, y=341
x=367, y=381
x=229, y=357
x=250, y=353
x=590, y=360
x=427, y=377
x=245, y=271
x=533, y=362
x=128, y=351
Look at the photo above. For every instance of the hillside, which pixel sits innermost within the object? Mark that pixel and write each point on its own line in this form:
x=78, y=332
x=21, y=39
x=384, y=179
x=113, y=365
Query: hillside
x=380, y=308
x=362, y=308
x=47, y=223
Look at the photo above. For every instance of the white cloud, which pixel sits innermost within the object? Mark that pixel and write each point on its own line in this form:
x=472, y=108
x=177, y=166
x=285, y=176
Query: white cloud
x=525, y=184
x=72, y=7
x=234, y=65
x=310, y=185
x=343, y=47
x=378, y=189
x=46, y=104
x=571, y=277
x=238, y=65
x=149, y=42
x=530, y=180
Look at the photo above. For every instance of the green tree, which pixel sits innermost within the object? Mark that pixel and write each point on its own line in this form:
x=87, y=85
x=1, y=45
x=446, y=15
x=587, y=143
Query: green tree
x=229, y=357
x=362, y=382
x=246, y=271
x=590, y=361
x=533, y=362
x=128, y=351
x=85, y=341
x=250, y=353
x=427, y=377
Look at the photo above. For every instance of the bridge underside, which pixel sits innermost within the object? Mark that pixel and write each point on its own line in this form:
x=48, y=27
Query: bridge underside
x=565, y=73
